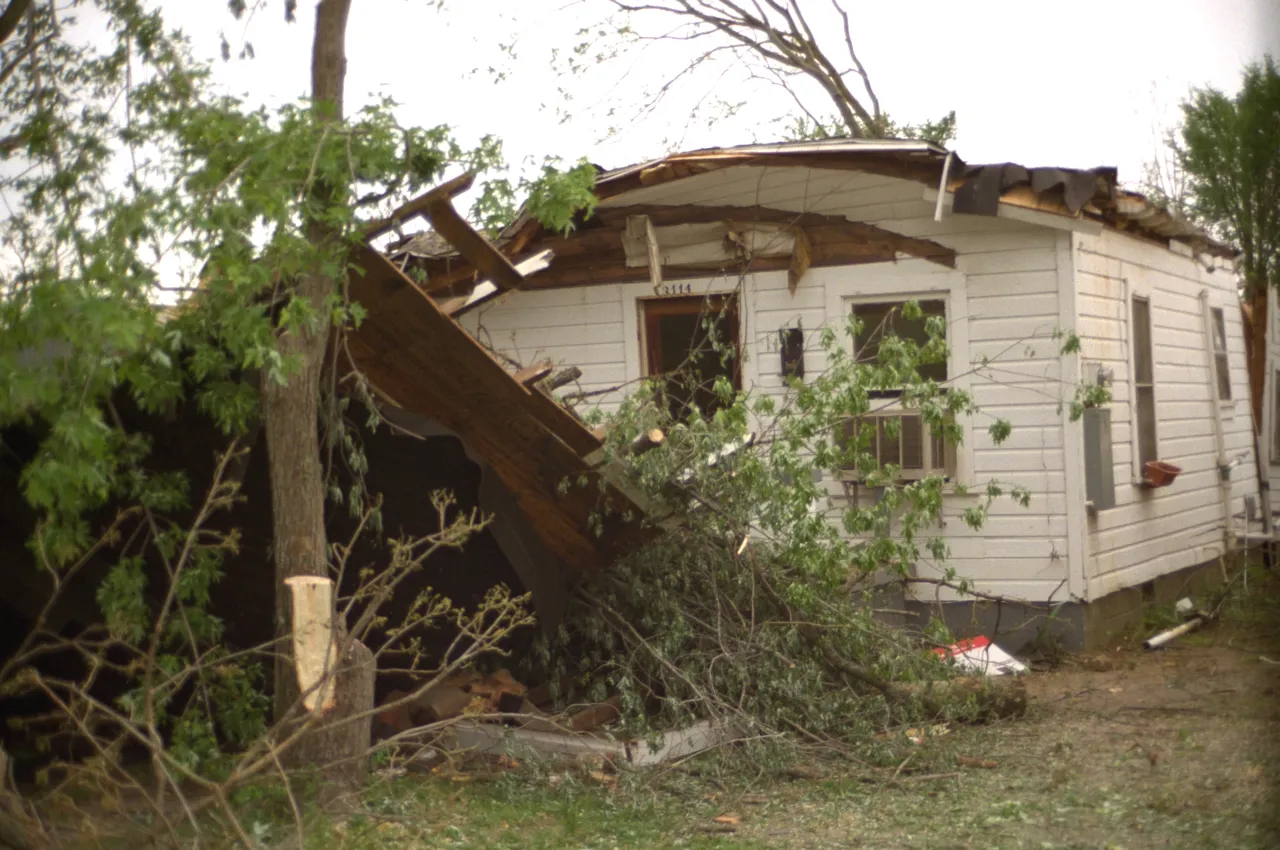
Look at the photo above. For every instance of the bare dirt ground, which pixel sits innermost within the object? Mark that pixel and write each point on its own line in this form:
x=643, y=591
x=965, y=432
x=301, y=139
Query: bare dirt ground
x=1128, y=749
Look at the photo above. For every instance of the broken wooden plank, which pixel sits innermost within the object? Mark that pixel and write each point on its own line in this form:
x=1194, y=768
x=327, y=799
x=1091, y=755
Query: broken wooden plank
x=418, y=206
x=486, y=290
x=801, y=259
x=564, y=377
x=640, y=229
x=491, y=738
x=477, y=250
x=531, y=374
x=594, y=716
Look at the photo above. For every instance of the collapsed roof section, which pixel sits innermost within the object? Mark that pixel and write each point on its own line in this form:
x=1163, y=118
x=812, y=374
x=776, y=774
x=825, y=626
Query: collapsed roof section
x=421, y=361
x=743, y=233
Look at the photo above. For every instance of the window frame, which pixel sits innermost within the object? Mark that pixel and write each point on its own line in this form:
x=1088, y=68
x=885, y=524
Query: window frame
x=651, y=310
x=929, y=443
x=899, y=301
x=1136, y=386
x=910, y=280
x=1220, y=353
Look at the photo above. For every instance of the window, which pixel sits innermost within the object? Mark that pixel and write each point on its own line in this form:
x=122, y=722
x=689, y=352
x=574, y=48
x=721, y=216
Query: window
x=885, y=318
x=1275, y=419
x=901, y=436
x=1220, y=362
x=692, y=341
x=1144, y=393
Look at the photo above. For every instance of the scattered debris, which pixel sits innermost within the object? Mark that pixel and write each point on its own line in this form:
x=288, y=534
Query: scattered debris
x=980, y=655
x=608, y=780
x=594, y=716
x=490, y=737
x=804, y=771
x=918, y=736
x=731, y=819
x=1195, y=620
x=990, y=697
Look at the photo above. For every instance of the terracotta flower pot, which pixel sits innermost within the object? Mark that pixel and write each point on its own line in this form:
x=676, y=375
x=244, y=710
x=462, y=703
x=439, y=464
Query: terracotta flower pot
x=1157, y=473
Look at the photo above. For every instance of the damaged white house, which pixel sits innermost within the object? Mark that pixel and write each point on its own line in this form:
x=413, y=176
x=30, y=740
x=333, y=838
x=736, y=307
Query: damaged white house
x=1128, y=503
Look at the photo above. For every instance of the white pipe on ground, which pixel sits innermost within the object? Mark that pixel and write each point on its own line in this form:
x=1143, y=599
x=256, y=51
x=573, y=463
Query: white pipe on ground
x=1157, y=641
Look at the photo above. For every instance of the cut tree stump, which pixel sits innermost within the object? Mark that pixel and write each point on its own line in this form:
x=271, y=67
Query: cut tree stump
x=338, y=746
x=349, y=740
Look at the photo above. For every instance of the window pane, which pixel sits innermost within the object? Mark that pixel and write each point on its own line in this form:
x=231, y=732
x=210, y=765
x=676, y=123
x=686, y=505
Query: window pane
x=885, y=319
x=1275, y=420
x=1224, y=376
x=938, y=448
x=1219, y=330
x=888, y=444
x=679, y=339
x=1142, y=341
x=912, y=442
x=1146, y=425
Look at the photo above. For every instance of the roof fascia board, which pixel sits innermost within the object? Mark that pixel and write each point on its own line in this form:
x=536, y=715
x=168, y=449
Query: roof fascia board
x=1026, y=216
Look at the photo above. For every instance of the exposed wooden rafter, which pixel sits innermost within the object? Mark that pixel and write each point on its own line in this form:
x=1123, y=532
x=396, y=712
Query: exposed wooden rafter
x=925, y=249
x=801, y=259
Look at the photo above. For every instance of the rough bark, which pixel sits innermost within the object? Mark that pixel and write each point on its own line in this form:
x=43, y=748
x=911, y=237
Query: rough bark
x=348, y=742
x=11, y=17
x=290, y=411
x=1258, y=354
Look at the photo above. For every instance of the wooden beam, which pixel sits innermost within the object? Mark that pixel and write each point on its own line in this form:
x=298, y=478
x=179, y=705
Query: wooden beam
x=418, y=206
x=667, y=214
x=801, y=259
x=536, y=372
x=659, y=214
x=486, y=291
x=471, y=244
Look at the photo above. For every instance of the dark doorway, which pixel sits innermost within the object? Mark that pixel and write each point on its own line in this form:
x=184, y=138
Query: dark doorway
x=692, y=341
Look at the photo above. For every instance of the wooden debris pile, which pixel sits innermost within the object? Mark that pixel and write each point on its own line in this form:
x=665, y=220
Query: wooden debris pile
x=494, y=698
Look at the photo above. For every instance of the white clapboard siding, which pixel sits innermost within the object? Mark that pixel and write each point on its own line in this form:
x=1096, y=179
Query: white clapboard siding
x=1011, y=283
x=1152, y=532
x=1021, y=282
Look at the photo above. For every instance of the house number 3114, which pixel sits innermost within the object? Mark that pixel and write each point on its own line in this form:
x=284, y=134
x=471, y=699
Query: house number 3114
x=676, y=289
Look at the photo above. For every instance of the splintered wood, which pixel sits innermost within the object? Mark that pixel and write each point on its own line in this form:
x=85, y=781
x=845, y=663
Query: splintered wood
x=494, y=698
x=314, y=649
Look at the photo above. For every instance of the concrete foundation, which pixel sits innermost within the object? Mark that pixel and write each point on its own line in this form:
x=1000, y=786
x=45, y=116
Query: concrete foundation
x=1071, y=625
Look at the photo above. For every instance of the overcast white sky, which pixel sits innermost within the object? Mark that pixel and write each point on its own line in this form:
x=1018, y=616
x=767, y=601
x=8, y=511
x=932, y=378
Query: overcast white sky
x=1033, y=81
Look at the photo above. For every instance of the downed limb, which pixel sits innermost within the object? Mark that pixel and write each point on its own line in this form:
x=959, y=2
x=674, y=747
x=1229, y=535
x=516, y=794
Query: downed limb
x=752, y=606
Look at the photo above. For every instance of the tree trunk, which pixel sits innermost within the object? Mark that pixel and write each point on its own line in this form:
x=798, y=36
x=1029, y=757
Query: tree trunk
x=1258, y=353
x=291, y=411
